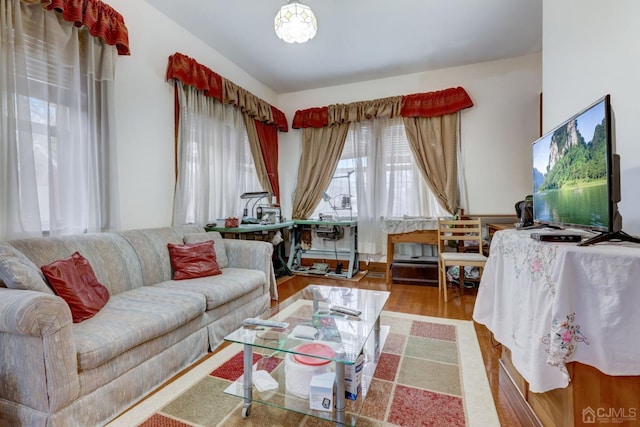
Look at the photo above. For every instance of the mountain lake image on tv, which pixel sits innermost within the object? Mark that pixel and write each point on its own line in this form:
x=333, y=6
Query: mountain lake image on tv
x=571, y=185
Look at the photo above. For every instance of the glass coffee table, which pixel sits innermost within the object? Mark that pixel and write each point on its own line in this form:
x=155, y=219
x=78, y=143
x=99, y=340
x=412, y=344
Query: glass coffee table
x=353, y=342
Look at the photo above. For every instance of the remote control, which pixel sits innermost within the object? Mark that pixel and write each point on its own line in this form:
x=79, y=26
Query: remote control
x=254, y=321
x=346, y=310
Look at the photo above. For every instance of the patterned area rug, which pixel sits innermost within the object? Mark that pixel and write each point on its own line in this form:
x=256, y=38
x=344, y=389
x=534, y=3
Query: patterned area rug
x=430, y=373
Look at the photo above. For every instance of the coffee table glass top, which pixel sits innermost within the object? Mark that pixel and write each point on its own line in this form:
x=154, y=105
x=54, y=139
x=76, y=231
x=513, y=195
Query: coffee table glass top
x=310, y=318
x=312, y=324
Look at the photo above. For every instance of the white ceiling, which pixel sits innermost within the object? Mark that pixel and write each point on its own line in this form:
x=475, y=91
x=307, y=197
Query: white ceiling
x=360, y=40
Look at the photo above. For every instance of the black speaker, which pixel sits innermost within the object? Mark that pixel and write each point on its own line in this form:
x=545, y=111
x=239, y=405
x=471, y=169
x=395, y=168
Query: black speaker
x=524, y=211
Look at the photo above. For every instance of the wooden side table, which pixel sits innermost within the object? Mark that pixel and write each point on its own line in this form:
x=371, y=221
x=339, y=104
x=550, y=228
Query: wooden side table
x=492, y=228
x=426, y=237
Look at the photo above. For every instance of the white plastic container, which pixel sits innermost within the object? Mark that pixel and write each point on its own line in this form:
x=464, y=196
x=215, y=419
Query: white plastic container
x=298, y=375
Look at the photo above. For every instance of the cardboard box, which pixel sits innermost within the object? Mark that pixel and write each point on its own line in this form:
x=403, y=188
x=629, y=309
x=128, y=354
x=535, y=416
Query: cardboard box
x=353, y=378
x=321, y=391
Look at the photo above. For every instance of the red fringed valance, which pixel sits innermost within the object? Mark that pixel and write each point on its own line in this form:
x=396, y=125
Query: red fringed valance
x=280, y=119
x=190, y=72
x=311, y=118
x=433, y=104
x=429, y=104
x=100, y=19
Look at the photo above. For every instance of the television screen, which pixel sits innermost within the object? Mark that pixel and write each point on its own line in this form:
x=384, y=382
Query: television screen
x=572, y=171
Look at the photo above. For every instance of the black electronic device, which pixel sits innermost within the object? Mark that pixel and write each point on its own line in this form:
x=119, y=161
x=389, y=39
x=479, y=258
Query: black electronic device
x=557, y=237
x=524, y=211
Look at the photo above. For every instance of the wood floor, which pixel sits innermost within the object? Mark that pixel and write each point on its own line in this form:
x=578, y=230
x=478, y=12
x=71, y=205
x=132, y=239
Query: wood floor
x=423, y=300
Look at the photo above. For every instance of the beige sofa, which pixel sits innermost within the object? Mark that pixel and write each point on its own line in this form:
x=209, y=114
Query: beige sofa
x=54, y=372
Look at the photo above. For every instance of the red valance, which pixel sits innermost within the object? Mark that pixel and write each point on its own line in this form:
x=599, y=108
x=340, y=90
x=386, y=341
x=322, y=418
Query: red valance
x=429, y=104
x=280, y=119
x=101, y=20
x=192, y=73
x=311, y=118
x=433, y=104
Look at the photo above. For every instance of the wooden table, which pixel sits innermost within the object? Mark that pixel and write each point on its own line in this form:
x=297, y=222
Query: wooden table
x=567, y=318
x=492, y=228
x=425, y=237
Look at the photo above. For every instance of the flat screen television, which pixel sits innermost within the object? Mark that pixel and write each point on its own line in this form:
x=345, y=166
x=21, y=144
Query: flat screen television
x=576, y=175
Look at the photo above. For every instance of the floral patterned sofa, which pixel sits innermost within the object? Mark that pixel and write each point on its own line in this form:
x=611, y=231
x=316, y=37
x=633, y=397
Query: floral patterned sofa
x=54, y=372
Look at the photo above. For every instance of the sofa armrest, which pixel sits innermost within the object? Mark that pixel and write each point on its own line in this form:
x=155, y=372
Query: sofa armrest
x=38, y=364
x=255, y=255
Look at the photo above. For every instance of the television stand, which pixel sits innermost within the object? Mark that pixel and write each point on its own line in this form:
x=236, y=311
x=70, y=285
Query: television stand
x=615, y=236
x=539, y=226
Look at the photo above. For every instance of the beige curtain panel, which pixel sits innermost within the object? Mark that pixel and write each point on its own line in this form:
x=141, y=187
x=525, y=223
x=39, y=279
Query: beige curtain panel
x=256, y=153
x=321, y=150
x=433, y=142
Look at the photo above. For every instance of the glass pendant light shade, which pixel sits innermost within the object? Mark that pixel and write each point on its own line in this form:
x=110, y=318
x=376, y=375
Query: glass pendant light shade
x=295, y=23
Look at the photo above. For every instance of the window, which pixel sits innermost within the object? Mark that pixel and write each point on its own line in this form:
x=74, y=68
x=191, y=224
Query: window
x=215, y=164
x=195, y=168
x=58, y=129
x=43, y=121
x=377, y=169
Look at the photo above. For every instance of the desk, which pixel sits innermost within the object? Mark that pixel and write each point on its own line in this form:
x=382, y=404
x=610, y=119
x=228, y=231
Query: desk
x=243, y=231
x=295, y=250
x=559, y=308
x=412, y=230
x=493, y=227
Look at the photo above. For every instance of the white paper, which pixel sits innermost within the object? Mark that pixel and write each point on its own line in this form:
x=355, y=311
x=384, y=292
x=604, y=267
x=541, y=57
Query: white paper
x=263, y=381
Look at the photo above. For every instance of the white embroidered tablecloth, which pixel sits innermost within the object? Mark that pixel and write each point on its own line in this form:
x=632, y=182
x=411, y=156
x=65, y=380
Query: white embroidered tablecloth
x=554, y=303
x=407, y=224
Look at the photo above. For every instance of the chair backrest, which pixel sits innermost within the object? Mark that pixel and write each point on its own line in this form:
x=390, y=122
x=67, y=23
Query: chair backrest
x=460, y=230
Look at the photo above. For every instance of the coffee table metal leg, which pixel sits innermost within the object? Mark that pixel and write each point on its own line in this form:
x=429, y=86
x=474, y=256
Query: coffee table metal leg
x=247, y=386
x=376, y=337
x=340, y=404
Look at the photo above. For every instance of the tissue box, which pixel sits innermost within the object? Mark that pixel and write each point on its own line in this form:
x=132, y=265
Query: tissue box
x=321, y=391
x=353, y=378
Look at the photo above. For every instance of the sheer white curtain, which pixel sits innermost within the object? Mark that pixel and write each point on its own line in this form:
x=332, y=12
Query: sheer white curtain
x=57, y=132
x=215, y=164
x=387, y=181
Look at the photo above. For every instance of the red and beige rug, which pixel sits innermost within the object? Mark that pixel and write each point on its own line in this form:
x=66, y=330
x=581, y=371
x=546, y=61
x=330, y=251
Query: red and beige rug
x=430, y=373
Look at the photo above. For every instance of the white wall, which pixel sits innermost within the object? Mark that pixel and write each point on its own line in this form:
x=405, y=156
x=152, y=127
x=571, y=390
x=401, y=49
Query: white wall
x=497, y=131
x=144, y=102
x=592, y=48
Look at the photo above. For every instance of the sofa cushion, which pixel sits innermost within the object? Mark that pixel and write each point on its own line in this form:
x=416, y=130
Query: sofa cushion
x=218, y=245
x=193, y=260
x=132, y=318
x=150, y=246
x=221, y=289
x=73, y=280
x=18, y=272
x=112, y=258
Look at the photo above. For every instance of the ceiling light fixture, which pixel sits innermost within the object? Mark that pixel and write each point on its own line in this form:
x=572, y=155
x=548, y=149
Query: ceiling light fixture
x=295, y=23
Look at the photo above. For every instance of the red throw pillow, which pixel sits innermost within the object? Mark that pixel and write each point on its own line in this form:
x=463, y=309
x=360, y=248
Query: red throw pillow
x=73, y=280
x=193, y=260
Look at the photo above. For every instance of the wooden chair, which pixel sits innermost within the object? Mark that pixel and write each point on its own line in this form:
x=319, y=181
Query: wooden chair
x=459, y=231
